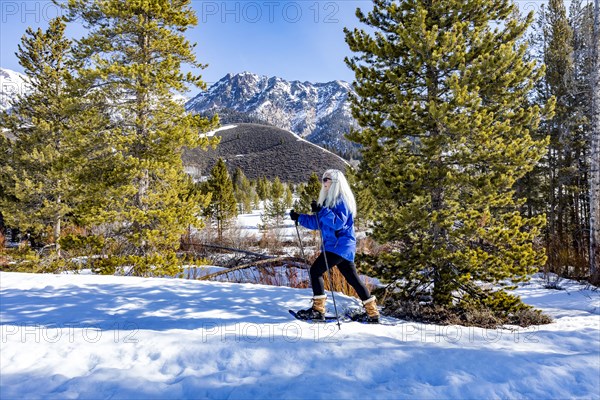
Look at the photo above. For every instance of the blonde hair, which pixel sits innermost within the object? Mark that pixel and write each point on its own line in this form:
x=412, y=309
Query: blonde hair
x=339, y=190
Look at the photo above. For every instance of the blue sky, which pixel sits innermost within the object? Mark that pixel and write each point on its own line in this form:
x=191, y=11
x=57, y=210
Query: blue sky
x=296, y=40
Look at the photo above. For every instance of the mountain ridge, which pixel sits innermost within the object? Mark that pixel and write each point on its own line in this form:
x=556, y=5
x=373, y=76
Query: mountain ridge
x=318, y=112
x=260, y=150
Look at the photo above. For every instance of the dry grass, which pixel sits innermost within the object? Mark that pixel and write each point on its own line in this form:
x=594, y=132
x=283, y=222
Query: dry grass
x=481, y=317
x=272, y=242
x=341, y=285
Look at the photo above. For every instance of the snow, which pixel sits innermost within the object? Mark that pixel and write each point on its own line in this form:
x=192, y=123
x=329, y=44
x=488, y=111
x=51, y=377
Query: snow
x=324, y=150
x=292, y=105
x=222, y=128
x=12, y=84
x=115, y=337
x=86, y=336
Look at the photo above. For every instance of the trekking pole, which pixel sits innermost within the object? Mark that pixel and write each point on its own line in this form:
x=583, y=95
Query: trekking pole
x=300, y=240
x=337, y=317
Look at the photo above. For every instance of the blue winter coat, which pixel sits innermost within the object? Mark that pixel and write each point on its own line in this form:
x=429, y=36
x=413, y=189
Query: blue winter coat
x=337, y=226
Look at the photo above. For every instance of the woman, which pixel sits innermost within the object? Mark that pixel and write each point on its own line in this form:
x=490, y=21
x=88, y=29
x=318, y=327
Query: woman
x=334, y=215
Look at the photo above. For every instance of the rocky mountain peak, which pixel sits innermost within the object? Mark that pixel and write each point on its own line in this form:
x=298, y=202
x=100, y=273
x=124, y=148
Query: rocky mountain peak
x=319, y=112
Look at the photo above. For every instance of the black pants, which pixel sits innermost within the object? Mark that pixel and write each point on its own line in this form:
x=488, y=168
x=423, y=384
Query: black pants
x=347, y=268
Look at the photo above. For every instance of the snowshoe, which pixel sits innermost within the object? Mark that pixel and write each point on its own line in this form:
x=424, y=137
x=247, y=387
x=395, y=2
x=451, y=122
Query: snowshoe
x=310, y=315
x=364, y=318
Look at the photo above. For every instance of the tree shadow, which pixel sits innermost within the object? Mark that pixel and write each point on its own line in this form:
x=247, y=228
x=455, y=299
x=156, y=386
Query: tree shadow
x=186, y=305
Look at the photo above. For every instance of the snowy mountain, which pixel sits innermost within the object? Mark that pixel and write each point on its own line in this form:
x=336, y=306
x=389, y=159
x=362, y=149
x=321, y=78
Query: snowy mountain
x=318, y=112
x=11, y=84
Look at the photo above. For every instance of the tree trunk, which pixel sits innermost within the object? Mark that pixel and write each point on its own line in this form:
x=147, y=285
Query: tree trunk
x=595, y=152
x=56, y=230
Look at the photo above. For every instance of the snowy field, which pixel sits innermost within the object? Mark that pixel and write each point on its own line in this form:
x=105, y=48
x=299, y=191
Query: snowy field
x=107, y=337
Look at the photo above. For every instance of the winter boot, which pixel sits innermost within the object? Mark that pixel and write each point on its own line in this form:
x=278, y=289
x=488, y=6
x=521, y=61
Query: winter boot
x=317, y=311
x=371, y=314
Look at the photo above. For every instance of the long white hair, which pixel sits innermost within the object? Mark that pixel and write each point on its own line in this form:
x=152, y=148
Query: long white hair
x=339, y=190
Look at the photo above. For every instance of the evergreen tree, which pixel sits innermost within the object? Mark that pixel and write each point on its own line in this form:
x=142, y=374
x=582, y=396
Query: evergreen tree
x=263, y=188
x=254, y=198
x=288, y=197
x=595, y=151
x=238, y=177
x=134, y=52
x=242, y=191
x=307, y=193
x=222, y=207
x=39, y=168
x=566, y=159
x=300, y=188
x=366, y=205
x=443, y=99
x=5, y=181
x=275, y=208
x=562, y=176
x=277, y=189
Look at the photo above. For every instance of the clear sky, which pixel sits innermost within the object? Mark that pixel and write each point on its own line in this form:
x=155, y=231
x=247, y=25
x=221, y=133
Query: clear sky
x=296, y=40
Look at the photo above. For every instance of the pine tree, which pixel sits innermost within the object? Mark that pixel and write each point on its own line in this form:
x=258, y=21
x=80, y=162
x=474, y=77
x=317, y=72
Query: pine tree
x=277, y=189
x=134, y=52
x=534, y=185
x=288, y=196
x=563, y=44
x=366, y=205
x=275, y=207
x=307, y=193
x=41, y=165
x=442, y=97
x=564, y=150
x=263, y=188
x=5, y=181
x=222, y=207
x=242, y=191
x=238, y=177
x=595, y=151
x=254, y=199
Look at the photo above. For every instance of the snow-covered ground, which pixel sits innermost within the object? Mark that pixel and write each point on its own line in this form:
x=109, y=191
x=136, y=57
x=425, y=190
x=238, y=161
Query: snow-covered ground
x=85, y=336
x=100, y=337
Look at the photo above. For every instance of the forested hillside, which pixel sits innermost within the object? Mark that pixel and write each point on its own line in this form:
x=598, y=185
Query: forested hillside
x=263, y=151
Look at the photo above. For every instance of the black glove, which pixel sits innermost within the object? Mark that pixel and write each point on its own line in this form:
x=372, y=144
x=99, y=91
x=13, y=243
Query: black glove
x=294, y=215
x=314, y=207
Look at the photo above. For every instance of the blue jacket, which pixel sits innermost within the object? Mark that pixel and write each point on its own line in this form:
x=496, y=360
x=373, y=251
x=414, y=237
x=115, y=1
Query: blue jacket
x=337, y=226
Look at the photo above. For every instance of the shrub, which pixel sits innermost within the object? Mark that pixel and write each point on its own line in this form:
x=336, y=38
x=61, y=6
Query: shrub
x=464, y=313
x=156, y=265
